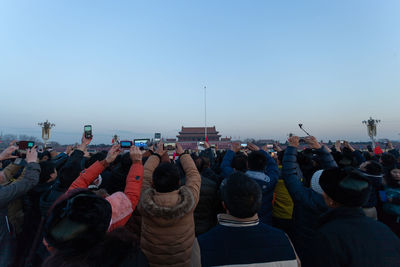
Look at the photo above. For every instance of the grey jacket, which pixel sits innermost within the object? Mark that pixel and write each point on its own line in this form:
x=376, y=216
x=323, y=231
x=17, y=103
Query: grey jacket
x=7, y=194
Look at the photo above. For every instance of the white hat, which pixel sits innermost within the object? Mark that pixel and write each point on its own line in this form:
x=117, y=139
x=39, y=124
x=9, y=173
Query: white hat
x=315, y=182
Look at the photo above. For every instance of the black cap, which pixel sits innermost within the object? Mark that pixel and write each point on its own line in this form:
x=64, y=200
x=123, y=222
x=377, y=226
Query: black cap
x=349, y=187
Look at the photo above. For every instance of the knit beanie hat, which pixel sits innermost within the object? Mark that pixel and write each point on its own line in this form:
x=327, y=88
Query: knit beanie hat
x=78, y=219
x=349, y=187
x=315, y=182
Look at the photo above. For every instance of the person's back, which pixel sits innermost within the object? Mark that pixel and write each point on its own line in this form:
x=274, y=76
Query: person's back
x=354, y=239
x=240, y=239
x=346, y=237
x=205, y=214
x=167, y=210
x=264, y=170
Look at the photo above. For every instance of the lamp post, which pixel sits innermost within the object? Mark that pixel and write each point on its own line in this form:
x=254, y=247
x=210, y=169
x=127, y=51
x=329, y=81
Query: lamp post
x=46, y=127
x=371, y=127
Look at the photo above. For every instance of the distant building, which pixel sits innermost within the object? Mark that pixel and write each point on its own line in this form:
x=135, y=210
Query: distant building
x=197, y=134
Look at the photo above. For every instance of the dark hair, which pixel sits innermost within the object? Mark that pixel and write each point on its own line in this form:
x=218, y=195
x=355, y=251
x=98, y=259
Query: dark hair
x=367, y=155
x=374, y=168
x=388, y=160
x=257, y=161
x=99, y=156
x=241, y=195
x=166, y=177
x=118, y=248
x=46, y=169
x=43, y=154
x=77, y=220
x=390, y=181
x=239, y=162
x=280, y=156
x=202, y=163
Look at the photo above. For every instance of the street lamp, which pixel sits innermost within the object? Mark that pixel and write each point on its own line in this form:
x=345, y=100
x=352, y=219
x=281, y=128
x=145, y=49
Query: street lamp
x=371, y=127
x=46, y=127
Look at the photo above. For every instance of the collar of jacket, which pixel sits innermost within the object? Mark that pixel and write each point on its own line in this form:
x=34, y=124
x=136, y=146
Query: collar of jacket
x=258, y=176
x=340, y=213
x=171, y=205
x=231, y=221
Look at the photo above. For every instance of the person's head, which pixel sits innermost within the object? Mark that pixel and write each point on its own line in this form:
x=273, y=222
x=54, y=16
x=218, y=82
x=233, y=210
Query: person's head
x=388, y=160
x=53, y=153
x=48, y=172
x=166, y=178
x=99, y=156
x=393, y=178
x=344, y=187
x=371, y=167
x=202, y=163
x=77, y=220
x=257, y=161
x=45, y=155
x=239, y=162
x=241, y=195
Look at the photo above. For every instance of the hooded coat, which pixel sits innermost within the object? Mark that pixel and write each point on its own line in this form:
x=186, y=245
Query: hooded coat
x=167, y=218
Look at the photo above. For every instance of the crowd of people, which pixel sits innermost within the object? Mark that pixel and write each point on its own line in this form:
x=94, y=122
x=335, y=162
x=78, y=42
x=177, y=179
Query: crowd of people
x=246, y=206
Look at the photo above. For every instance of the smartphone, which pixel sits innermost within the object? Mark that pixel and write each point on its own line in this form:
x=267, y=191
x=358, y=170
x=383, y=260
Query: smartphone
x=170, y=146
x=88, y=131
x=125, y=144
x=141, y=143
x=243, y=146
x=23, y=145
x=31, y=144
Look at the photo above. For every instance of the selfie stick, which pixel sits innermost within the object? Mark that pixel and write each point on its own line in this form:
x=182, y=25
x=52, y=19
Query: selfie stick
x=301, y=127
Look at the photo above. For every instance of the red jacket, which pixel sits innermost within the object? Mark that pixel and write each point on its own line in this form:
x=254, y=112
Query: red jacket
x=122, y=203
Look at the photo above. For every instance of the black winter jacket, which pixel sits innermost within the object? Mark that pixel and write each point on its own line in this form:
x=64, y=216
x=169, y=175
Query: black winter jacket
x=205, y=214
x=347, y=237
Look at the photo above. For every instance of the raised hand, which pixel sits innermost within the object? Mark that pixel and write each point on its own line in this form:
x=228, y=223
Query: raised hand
x=84, y=143
x=338, y=146
x=312, y=142
x=294, y=141
x=235, y=147
x=113, y=153
x=252, y=147
x=160, y=149
x=31, y=155
x=206, y=145
x=347, y=144
x=7, y=153
x=135, y=153
x=179, y=149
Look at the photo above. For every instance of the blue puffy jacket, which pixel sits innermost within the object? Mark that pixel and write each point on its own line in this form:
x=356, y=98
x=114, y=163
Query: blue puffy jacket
x=308, y=204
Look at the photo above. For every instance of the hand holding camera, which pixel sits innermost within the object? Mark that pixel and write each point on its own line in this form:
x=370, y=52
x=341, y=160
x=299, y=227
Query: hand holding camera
x=113, y=153
x=136, y=154
x=31, y=155
x=312, y=142
x=294, y=141
x=8, y=152
x=179, y=149
x=252, y=147
x=160, y=149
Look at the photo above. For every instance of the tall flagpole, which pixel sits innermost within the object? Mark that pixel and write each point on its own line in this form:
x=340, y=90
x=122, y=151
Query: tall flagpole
x=205, y=113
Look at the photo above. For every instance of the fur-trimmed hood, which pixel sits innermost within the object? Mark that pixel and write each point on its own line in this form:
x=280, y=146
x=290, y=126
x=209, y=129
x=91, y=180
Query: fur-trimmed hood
x=153, y=208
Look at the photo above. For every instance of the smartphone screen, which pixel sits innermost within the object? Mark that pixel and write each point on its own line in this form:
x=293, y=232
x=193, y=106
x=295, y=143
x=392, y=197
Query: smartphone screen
x=126, y=144
x=31, y=144
x=88, y=131
x=141, y=143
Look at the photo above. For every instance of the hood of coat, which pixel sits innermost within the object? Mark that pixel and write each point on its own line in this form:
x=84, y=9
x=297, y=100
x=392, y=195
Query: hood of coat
x=169, y=206
x=258, y=176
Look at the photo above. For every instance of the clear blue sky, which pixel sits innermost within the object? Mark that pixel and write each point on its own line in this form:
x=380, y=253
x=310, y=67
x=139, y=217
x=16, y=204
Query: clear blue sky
x=135, y=68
